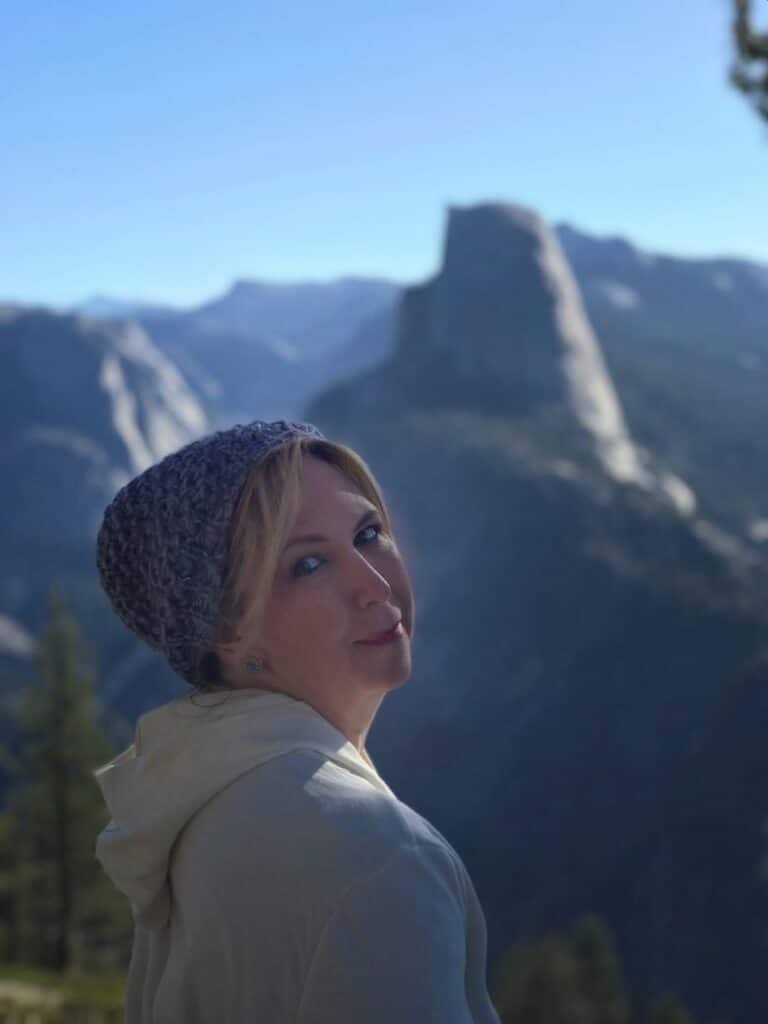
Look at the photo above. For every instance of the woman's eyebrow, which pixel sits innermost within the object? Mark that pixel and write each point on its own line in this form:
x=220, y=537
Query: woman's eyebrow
x=316, y=538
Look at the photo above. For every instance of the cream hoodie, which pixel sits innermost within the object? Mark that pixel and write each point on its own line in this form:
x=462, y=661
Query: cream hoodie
x=274, y=877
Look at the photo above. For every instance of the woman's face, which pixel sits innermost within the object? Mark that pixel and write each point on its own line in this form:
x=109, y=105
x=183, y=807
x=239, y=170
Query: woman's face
x=330, y=594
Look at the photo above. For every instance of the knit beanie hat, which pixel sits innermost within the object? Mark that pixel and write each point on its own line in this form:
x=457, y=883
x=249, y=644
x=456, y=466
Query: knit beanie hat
x=161, y=550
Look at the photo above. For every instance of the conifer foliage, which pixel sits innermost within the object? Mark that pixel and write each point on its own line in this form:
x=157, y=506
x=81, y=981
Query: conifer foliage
x=57, y=907
x=573, y=978
x=749, y=72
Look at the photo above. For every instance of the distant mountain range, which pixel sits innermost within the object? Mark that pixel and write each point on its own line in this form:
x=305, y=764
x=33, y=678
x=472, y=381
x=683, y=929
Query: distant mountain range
x=269, y=346
x=650, y=313
x=571, y=436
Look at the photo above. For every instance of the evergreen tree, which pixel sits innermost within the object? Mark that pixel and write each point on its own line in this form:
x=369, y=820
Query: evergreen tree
x=669, y=1010
x=600, y=972
x=573, y=978
x=752, y=49
x=55, y=897
x=539, y=983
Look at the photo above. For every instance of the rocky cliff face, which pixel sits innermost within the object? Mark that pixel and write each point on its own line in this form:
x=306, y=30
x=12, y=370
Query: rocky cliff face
x=84, y=406
x=505, y=310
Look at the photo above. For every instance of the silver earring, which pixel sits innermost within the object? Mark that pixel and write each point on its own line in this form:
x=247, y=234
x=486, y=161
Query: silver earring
x=253, y=664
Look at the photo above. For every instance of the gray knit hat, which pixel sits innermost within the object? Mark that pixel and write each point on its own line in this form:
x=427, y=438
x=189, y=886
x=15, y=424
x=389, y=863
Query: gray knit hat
x=161, y=547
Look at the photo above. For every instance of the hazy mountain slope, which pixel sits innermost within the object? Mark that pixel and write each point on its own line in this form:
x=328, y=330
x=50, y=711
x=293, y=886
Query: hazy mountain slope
x=261, y=350
x=302, y=320
x=241, y=376
x=686, y=342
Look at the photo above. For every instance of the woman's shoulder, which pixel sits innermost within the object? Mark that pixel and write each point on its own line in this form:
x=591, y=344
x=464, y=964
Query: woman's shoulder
x=308, y=818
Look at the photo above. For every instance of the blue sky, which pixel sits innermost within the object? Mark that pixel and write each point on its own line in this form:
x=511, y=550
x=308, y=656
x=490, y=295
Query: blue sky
x=161, y=150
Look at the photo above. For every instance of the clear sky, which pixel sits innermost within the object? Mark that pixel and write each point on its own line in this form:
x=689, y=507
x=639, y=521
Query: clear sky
x=162, y=149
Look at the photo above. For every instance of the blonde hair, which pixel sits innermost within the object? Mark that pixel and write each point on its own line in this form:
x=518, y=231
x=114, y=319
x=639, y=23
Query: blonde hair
x=263, y=517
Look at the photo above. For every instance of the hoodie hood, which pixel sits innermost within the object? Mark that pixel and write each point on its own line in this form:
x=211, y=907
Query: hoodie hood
x=183, y=754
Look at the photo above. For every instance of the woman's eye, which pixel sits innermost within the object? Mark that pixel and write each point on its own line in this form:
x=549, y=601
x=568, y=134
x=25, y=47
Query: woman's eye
x=299, y=565
x=373, y=526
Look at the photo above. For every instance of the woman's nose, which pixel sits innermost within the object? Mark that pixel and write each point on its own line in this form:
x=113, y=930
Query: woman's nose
x=369, y=579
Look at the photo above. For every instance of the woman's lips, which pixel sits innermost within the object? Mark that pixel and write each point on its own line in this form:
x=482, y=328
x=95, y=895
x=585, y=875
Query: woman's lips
x=393, y=634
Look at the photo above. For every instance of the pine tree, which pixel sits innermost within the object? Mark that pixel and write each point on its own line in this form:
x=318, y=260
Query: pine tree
x=669, y=1010
x=538, y=983
x=600, y=971
x=571, y=978
x=55, y=897
x=751, y=49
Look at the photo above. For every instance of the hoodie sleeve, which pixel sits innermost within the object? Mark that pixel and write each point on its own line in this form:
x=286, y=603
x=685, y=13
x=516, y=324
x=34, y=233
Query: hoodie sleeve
x=395, y=949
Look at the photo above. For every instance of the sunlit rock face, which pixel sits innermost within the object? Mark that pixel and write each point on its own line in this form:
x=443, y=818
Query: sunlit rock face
x=85, y=406
x=97, y=392
x=505, y=308
x=153, y=411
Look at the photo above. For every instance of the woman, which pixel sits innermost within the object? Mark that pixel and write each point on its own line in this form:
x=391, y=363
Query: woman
x=273, y=875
